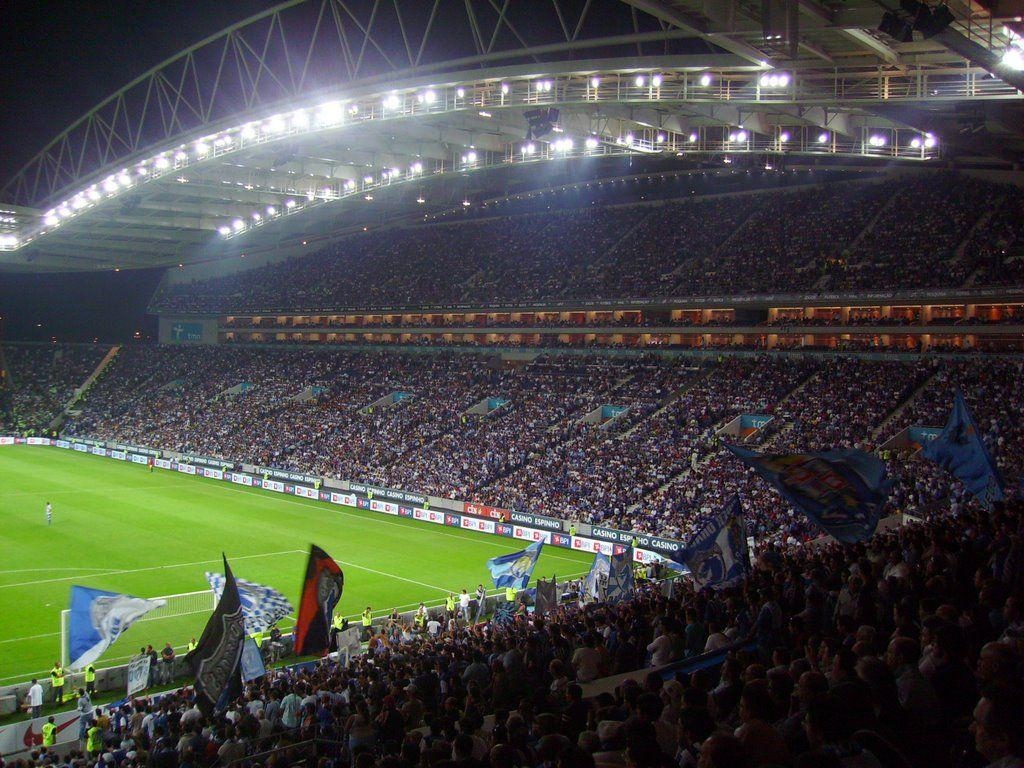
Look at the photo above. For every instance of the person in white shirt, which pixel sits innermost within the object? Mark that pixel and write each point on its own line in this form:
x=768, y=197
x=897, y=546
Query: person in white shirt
x=464, y=605
x=34, y=699
x=434, y=627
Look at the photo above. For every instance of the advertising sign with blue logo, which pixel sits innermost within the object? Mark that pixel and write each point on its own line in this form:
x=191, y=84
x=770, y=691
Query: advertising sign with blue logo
x=185, y=332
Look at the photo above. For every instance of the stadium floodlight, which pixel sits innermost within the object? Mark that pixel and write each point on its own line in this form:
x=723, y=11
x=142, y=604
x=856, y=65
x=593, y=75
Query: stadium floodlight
x=877, y=140
x=693, y=138
x=289, y=204
x=629, y=139
x=656, y=81
x=94, y=194
x=110, y=184
x=930, y=140
x=238, y=225
x=275, y=124
x=330, y=113
x=392, y=102
x=180, y=157
x=563, y=145
x=124, y=179
x=350, y=184
x=774, y=80
x=224, y=231
x=420, y=200
x=916, y=142
x=1013, y=59
x=202, y=148
x=271, y=210
x=705, y=80
x=248, y=132
x=354, y=109
x=142, y=170
x=64, y=212
x=367, y=198
x=471, y=157
x=741, y=136
x=504, y=89
x=78, y=203
x=367, y=179
x=529, y=148
x=590, y=143
x=257, y=217
x=300, y=120
x=640, y=81
x=543, y=86
x=482, y=113
x=51, y=220
x=732, y=137
x=466, y=203
x=161, y=163
x=660, y=138
x=416, y=167
x=784, y=137
x=595, y=82
x=822, y=137
x=460, y=93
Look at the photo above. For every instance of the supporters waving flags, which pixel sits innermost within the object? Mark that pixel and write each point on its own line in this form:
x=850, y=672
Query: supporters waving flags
x=717, y=554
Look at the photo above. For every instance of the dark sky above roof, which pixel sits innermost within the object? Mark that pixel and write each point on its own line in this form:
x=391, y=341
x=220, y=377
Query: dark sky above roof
x=62, y=57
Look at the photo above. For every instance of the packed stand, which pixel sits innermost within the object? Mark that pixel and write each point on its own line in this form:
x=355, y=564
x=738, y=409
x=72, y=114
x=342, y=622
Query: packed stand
x=41, y=380
x=904, y=651
x=929, y=231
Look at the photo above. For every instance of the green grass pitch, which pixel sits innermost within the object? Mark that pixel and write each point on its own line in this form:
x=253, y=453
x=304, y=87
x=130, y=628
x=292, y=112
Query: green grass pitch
x=120, y=527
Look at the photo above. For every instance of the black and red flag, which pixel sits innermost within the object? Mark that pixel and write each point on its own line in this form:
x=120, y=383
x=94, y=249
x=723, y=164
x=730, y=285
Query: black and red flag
x=215, y=660
x=321, y=593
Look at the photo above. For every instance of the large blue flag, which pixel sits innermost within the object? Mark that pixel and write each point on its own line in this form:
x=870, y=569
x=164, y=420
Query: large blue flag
x=716, y=554
x=959, y=450
x=515, y=569
x=842, y=491
x=262, y=606
x=97, y=618
x=621, y=583
x=596, y=582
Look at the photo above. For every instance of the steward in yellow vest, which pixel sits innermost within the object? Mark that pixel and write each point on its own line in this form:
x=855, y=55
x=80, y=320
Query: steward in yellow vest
x=90, y=679
x=49, y=733
x=57, y=682
x=510, y=594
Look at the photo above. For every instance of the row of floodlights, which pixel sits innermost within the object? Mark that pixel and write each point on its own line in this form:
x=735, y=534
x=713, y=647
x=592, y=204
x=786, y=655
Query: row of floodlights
x=326, y=115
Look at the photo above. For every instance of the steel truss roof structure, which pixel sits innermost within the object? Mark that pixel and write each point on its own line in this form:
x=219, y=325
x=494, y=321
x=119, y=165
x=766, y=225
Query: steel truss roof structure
x=301, y=117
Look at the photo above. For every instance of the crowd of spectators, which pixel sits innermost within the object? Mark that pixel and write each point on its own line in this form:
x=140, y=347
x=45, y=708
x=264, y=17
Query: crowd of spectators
x=909, y=232
x=40, y=380
x=534, y=436
x=904, y=651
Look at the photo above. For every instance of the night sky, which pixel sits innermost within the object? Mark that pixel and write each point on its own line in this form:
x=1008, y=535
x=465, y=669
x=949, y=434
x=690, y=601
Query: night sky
x=62, y=57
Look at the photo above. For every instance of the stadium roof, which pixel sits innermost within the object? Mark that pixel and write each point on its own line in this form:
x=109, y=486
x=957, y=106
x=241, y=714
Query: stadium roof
x=321, y=115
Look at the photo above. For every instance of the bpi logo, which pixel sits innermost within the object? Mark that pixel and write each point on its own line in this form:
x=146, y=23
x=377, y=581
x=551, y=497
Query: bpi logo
x=405, y=511
x=504, y=529
x=586, y=544
x=363, y=503
x=526, y=533
x=559, y=539
x=453, y=520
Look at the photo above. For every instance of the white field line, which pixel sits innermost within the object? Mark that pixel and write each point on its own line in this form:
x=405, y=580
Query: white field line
x=153, y=568
x=79, y=491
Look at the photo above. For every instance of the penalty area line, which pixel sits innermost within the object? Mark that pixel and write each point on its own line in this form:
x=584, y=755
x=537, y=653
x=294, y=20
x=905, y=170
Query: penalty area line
x=154, y=568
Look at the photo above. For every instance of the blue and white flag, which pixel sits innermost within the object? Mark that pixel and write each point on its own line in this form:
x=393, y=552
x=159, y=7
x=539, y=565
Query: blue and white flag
x=262, y=606
x=97, y=618
x=251, y=663
x=959, y=450
x=621, y=584
x=515, y=569
x=596, y=582
x=716, y=554
x=842, y=491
